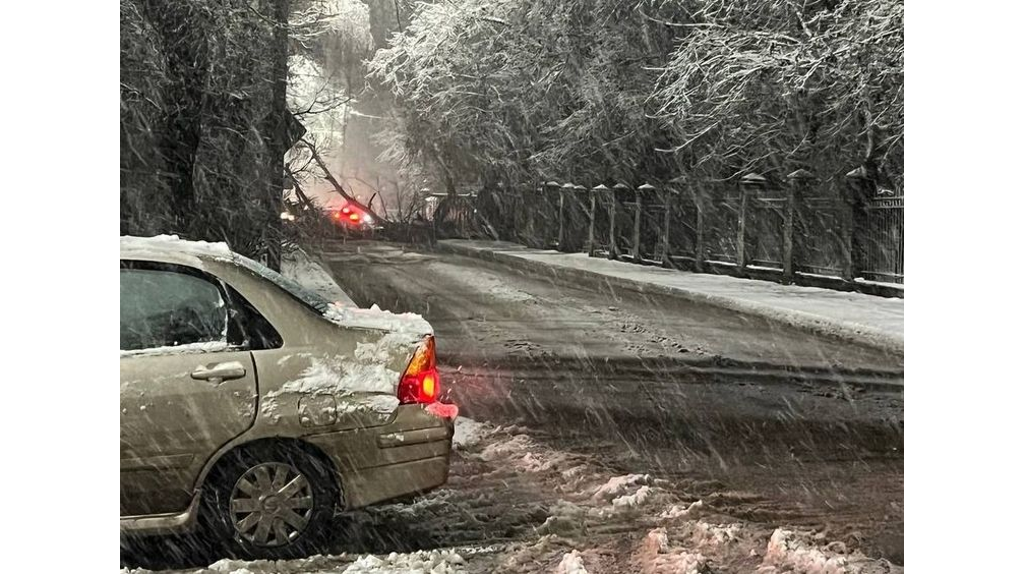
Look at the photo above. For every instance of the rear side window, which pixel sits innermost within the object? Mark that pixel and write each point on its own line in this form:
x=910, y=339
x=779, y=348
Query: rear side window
x=162, y=308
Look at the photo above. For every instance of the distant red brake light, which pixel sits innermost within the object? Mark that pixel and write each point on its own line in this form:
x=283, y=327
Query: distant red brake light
x=421, y=382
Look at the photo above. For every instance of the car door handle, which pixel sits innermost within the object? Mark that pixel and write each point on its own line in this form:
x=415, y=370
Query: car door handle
x=219, y=372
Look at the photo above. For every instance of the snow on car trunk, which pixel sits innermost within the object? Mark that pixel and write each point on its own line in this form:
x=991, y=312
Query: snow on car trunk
x=366, y=377
x=374, y=318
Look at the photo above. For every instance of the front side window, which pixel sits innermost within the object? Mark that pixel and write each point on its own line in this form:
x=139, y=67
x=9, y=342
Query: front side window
x=164, y=308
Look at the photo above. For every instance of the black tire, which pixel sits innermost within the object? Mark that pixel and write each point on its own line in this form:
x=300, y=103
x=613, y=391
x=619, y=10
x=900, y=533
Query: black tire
x=218, y=521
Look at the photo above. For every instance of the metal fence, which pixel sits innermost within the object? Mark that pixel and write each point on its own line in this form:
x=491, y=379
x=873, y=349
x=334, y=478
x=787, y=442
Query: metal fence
x=684, y=219
x=800, y=230
x=457, y=217
x=881, y=254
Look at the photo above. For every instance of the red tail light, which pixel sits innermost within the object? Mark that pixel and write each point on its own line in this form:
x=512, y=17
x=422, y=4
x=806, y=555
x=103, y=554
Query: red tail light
x=420, y=382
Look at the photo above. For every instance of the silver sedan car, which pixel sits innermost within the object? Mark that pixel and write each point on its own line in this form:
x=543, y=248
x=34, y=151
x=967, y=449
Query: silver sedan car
x=255, y=409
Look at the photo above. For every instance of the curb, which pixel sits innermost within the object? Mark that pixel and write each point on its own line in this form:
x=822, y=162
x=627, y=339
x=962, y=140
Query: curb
x=841, y=330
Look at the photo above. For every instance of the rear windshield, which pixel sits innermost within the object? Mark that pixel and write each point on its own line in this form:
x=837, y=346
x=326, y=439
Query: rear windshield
x=312, y=300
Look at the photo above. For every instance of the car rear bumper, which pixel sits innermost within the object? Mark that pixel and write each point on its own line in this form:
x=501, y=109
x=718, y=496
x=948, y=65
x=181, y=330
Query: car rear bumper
x=373, y=485
x=409, y=455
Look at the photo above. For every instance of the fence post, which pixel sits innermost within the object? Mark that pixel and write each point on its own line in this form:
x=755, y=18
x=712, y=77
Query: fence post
x=544, y=207
x=591, y=232
x=859, y=186
x=638, y=215
x=667, y=199
x=798, y=182
x=749, y=185
x=613, y=247
x=562, y=191
x=698, y=255
x=500, y=215
x=577, y=208
x=529, y=210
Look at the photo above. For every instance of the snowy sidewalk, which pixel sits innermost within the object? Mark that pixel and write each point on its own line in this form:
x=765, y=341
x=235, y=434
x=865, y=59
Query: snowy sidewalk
x=864, y=319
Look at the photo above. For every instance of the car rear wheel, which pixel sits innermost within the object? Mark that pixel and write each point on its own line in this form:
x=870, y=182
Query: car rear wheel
x=270, y=503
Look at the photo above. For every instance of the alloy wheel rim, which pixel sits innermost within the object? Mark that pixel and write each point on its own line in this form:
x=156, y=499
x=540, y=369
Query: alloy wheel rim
x=271, y=504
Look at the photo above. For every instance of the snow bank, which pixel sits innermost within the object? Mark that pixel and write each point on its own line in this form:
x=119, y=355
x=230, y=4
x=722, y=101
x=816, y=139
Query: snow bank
x=620, y=485
x=512, y=447
x=657, y=555
x=786, y=552
x=707, y=534
x=508, y=447
x=422, y=562
x=632, y=500
x=298, y=566
x=677, y=511
x=566, y=519
x=571, y=564
x=375, y=318
x=468, y=433
x=523, y=454
x=527, y=556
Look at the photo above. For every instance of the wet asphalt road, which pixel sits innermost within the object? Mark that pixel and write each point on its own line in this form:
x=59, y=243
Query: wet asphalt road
x=762, y=422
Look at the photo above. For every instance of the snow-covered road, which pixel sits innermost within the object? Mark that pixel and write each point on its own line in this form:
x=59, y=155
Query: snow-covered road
x=516, y=505
x=625, y=433
x=808, y=429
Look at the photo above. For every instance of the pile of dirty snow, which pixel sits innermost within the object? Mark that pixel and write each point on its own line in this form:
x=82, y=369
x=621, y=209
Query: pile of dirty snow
x=571, y=563
x=468, y=433
x=656, y=554
x=633, y=500
x=619, y=485
x=422, y=562
x=786, y=552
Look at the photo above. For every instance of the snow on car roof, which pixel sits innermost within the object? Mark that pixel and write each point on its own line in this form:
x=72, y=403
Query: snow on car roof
x=164, y=246
x=172, y=244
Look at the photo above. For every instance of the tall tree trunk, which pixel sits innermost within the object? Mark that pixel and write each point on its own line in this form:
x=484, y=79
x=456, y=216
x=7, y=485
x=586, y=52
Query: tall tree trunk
x=182, y=35
x=384, y=19
x=277, y=136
